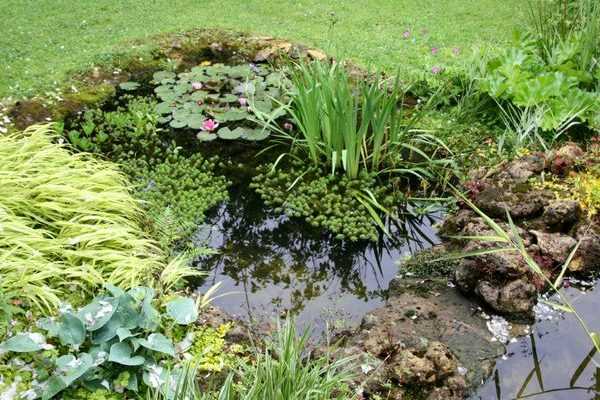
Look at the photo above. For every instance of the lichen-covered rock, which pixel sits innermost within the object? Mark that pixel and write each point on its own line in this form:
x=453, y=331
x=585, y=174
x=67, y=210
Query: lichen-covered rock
x=557, y=246
x=561, y=213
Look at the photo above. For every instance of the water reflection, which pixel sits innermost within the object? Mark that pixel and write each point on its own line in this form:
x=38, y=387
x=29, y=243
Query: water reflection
x=555, y=362
x=274, y=264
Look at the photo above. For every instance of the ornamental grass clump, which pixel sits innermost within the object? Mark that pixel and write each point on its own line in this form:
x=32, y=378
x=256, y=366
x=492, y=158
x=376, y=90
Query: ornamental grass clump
x=68, y=224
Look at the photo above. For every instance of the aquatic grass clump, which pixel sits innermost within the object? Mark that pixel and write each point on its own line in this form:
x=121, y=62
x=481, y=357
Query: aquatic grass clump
x=68, y=224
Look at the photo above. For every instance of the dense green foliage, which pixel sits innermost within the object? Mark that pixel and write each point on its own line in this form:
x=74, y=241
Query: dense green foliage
x=68, y=221
x=112, y=343
x=338, y=204
x=215, y=99
x=281, y=372
x=163, y=176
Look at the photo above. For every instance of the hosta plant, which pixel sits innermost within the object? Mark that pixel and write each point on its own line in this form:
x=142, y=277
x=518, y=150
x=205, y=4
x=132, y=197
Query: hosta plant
x=113, y=343
x=215, y=99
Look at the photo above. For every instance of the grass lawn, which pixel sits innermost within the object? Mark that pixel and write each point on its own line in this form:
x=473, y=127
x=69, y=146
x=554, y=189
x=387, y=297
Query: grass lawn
x=44, y=39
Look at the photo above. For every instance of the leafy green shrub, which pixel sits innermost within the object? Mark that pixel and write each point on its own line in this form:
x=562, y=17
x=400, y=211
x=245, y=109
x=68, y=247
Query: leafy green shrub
x=209, y=97
x=69, y=224
x=112, y=343
x=339, y=204
x=560, y=87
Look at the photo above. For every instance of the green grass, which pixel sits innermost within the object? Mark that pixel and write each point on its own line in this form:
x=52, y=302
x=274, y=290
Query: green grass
x=44, y=39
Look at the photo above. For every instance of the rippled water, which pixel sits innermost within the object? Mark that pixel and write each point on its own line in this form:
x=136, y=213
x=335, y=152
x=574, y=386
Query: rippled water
x=555, y=361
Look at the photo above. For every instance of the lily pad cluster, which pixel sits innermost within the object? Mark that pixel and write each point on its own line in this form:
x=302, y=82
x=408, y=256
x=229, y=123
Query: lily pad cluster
x=217, y=100
x=113, y=343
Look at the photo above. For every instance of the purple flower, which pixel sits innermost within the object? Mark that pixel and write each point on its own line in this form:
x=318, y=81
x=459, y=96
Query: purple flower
x=196, y=85
x=455, y=51
x=209, y=125
x=434, y=50
x=243, y=101
x=406, y=34
x=436, y=70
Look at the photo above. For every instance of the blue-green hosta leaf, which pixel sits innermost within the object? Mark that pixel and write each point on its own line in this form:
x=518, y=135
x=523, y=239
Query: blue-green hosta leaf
x=24, y=343
x=125, y=316
x=124, y=333
x=72, y=330
x=183, y=310
x=155, y=376
x=96, y=314
x=121, y=353
x=158, y=342
x=69, y=369
x=50, y=325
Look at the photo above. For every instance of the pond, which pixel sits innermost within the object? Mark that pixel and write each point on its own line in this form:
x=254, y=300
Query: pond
x=269, y=264
x=554, y=361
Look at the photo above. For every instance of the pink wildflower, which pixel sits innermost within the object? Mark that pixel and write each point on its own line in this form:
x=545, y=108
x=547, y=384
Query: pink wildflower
x=406, y=34
x=243, y=101
x=196, y=85
x=455, y=51
x=434, y=50
x=436, y=70
x=209, y=125
x=288, y=126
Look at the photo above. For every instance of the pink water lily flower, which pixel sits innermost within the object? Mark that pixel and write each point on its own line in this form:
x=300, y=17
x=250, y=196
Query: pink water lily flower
x=288, y=126
x=196, y=85
x=209, y=125
x=243, y=101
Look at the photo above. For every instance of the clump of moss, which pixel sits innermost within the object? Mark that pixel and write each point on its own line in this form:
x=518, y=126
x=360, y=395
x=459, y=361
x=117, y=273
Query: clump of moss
x=324, y=200
x=428, y=264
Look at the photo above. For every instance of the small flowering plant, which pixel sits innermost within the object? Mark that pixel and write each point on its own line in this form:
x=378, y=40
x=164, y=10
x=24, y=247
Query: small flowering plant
x=114, y=334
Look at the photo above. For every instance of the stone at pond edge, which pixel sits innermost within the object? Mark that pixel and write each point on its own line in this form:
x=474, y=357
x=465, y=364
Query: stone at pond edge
x=425, y=337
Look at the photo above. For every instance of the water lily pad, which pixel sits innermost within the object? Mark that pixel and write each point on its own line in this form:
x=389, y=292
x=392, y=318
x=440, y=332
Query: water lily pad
x=228, y=134
x=178, y=124
x=129, y=86
x=233, y=115
x=206, y=136
x=228, y=98
x=195, y=121
x=256, y=134
x=162, y=75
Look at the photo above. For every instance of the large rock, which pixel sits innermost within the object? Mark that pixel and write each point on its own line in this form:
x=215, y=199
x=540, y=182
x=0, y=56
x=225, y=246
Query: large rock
x=427, y=336
x=557, y=246
x=561, y=214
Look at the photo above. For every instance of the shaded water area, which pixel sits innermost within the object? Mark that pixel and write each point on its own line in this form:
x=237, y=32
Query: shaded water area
x=554, y=361
x=269, y=264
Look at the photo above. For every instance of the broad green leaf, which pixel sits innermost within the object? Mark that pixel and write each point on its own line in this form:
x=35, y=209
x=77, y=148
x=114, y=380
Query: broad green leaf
x=228, y=134
x=24, y=343
x=162, y=75
x=183, y=310
x=96, y=314
x=178, y=124
x=256, y=134
x=120, y=353
x=158, y=342
x=72, y=330
x=128, y=86
x=206, y=136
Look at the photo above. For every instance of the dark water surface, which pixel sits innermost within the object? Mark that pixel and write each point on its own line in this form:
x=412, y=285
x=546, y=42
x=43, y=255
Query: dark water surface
x=270, y=264
x=555, y=362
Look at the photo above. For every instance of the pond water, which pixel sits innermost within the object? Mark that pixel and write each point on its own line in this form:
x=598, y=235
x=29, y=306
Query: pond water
x=554, y=361
x=269, y=265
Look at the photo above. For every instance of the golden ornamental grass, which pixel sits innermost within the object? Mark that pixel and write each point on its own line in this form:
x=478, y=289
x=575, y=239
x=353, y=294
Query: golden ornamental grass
x=68, y=223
